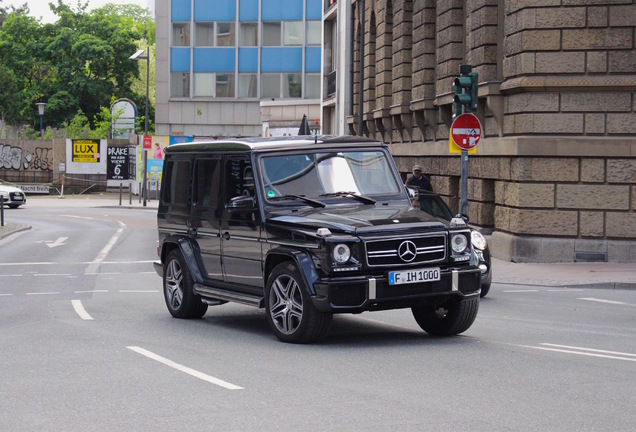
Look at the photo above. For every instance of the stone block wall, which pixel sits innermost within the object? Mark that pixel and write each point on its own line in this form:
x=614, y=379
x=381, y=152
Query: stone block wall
x=554, y=177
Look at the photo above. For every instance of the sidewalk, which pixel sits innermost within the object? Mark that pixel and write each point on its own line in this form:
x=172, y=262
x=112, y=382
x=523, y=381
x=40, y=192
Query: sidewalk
x=580, y=275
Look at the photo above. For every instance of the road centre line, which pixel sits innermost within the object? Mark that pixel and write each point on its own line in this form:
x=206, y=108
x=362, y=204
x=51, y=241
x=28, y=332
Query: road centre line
x=589, y=352
x=5, y=295
x=102, y=254
x=592, y=299
x=184, y=369
x=589, y=349
x=79, y=309
x=11, y=275
x=43, y=293
x=52, y=274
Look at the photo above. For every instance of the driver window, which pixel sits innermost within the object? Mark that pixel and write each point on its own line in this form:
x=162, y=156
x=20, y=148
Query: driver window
x=239, y=178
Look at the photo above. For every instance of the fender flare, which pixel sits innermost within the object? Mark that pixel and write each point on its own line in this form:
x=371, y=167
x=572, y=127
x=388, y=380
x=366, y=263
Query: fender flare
x=190, y=252
x=302, y=260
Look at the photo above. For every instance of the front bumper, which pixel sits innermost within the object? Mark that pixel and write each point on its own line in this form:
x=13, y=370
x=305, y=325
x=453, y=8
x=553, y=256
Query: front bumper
x=367, y=293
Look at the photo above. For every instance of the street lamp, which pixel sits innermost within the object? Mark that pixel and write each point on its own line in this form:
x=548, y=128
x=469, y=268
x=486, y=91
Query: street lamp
x=41, y=112
x=139, y=56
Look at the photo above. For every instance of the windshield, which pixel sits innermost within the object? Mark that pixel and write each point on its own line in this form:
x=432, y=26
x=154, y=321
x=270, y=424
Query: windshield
x=313, y=175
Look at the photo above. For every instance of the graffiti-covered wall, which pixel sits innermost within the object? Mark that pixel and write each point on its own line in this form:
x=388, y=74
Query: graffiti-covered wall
x=26, y=161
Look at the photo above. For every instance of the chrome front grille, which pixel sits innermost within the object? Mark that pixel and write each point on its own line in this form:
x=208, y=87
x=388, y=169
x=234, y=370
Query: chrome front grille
x=403, y=251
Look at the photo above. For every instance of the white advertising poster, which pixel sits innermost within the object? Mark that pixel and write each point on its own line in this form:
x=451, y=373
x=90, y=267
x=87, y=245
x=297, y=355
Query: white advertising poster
x=86, y=156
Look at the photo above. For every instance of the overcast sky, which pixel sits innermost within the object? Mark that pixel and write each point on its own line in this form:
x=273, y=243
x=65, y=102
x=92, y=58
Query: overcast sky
x=40, y=8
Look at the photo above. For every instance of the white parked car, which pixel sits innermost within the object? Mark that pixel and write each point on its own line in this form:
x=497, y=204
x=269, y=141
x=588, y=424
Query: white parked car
x=12, y=196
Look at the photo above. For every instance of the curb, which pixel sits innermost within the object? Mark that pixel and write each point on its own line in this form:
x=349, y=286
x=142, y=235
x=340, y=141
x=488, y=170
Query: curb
x=10, y=229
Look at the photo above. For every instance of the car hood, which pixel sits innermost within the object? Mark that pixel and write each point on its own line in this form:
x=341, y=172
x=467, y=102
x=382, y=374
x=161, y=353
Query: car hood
x=360, y=219
x=7, y=189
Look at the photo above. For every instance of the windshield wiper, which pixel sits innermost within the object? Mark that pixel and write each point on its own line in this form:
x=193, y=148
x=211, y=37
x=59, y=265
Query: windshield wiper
x=313, y=203
x=361, y=198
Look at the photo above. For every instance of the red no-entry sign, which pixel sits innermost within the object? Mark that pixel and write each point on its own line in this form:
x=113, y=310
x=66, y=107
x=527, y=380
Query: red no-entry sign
x=466, y=131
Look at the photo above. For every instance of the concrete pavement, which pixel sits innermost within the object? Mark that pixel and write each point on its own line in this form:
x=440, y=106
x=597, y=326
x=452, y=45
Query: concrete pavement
x=579, y=275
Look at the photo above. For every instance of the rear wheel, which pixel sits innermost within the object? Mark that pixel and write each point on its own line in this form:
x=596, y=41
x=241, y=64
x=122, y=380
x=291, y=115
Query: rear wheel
x=181, y=300
x=451, y=318
x=290, y=312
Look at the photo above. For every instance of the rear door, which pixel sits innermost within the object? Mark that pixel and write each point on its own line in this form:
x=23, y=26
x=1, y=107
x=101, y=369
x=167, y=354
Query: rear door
x=206, y=212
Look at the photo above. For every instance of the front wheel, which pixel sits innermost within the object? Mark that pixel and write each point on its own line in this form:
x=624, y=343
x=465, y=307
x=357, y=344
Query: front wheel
x=451, y=318
x=290, y=312
x=14, y=206
x=181, y=300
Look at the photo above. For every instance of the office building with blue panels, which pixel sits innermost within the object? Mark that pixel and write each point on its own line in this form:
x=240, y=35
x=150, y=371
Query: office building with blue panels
x=236, y=67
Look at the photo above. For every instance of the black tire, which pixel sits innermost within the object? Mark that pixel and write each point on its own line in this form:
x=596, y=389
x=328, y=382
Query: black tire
x=290, y=312
x=14, y=206
x=452, y=318
x=177, y=289
x=484, y=290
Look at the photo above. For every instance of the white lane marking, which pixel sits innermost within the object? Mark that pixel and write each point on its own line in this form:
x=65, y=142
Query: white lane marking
x=52, y=274
x=589, y=352
x=5, y=295
x=78, y=217
x=592, y=299
x=59, y=242
x=79, y=308
x=520, y=291
x=43, y=293
x=138, y=291
x=75, y=263
x=589, y=349
x=101, y=274
x=184, y=369
x=92, y=267
x=90, y=291
x=11, y=275
x=566, y=290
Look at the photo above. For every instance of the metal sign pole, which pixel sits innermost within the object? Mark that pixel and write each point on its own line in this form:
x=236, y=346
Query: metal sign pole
x=463, y=200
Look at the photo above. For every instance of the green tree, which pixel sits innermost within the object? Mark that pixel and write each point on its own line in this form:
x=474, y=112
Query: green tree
x=77, y=63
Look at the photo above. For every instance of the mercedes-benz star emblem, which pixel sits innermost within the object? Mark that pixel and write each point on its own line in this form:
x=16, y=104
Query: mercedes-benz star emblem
x=407, y=251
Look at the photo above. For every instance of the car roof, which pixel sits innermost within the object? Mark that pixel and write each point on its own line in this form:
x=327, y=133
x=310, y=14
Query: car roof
x=273, y=143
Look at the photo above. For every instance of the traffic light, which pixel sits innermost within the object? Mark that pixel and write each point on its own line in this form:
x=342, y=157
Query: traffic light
x=466, y=99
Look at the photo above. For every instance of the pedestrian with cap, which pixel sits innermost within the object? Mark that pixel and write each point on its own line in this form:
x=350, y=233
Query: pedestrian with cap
x=419, y=180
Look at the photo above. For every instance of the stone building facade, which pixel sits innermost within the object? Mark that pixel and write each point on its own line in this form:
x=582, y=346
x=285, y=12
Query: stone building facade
x=554, y=176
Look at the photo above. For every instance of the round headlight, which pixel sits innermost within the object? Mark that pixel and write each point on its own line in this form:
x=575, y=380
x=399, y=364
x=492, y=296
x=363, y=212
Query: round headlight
x=478, y=240
x=341, y=253
x=459, y=243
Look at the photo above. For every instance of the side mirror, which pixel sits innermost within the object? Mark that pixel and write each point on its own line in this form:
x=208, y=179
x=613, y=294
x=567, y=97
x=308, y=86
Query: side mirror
x=241, y=203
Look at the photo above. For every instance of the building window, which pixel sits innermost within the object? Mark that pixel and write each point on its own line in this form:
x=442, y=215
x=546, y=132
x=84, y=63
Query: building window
x=314, y=30
x=225, y=34
x=204, y=34
x=312, y=86
x=271, y=33
x=214, y=34
x=249, y=34
x=180, y=34
x=203, y=84
x=217, y=85
x=247, y=85
x=270, y=85
x=293, y=33
x=179, y=84
x=224, y=85
x=292, y=85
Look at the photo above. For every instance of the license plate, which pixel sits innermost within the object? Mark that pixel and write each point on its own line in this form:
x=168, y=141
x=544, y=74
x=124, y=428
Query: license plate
x=414, y=276
x=17, y=198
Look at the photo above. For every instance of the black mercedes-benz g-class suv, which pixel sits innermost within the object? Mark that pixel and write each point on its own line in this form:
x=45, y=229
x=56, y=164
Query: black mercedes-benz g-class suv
x=306, y=227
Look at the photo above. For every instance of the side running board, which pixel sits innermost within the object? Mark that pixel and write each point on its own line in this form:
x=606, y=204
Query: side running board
x=230, y=296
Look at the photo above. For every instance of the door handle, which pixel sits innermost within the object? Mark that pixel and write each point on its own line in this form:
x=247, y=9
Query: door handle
x=226, y=235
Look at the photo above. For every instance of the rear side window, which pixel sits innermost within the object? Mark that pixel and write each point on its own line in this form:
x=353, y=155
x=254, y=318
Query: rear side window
x=177, y=182
x=208, y=179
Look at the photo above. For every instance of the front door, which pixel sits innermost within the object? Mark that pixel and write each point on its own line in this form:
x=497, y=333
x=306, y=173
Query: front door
x=241, y=229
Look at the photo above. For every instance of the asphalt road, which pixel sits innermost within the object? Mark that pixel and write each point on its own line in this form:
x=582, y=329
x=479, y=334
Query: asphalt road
x=86, y=343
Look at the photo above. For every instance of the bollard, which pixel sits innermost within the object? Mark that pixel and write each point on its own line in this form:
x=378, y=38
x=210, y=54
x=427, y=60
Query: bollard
x=120, y=192
x=1, y=210
x=130, y=194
